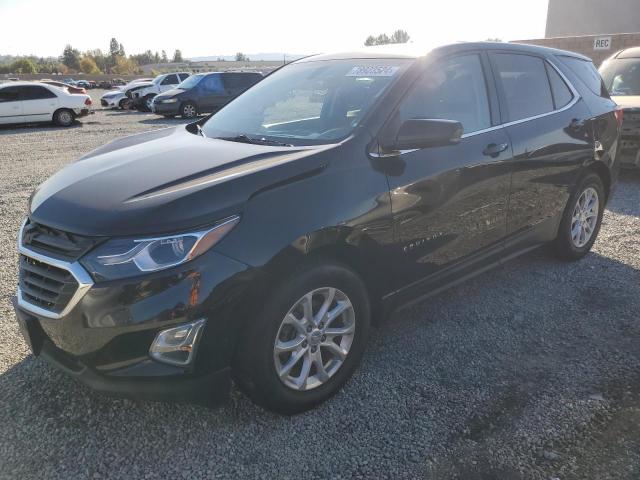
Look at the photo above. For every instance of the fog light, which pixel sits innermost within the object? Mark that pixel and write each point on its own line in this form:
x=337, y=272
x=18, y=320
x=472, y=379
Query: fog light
x=177, y=345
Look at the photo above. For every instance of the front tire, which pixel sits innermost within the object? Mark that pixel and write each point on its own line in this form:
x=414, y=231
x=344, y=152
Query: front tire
x=581, y=219
x=307, y=340
x=64, y=117
x=188, y=110
x=147, y=102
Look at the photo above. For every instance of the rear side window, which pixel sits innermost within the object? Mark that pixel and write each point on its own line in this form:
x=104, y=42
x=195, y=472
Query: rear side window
x=453, y=89
x=561, y=93
x=183, y=76
x=9, y=94
x=525, y=85
x=170, y=80
x=35, y=92
x=239, y=80
x=585, y=70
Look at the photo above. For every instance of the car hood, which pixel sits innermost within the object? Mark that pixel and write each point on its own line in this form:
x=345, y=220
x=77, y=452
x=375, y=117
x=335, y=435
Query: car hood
x=139, y=85
x=164, y=181
x=627, y=101
x=171, y=93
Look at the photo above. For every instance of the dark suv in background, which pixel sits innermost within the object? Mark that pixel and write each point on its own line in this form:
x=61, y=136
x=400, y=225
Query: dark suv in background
x=621, y=74
x=260, y=243
x=203, y=93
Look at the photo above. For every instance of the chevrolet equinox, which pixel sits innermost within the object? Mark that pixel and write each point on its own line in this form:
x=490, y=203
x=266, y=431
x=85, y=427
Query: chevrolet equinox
x=261, y=243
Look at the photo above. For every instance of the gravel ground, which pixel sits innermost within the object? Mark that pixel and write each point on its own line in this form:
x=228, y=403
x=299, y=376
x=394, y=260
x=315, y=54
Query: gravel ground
x=531, y=371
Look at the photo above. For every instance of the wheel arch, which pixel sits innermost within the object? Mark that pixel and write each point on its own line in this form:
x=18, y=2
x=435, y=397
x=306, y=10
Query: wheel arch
x=60, y=109
x=600, y=169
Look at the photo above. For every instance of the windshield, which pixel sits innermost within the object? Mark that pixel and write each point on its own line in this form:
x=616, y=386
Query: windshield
x=307, y=103
x=190, y=82
x=156, y=80
x=622, y=76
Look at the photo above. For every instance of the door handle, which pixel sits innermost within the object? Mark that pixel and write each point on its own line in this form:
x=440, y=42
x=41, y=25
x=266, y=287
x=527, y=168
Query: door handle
x=495, y=149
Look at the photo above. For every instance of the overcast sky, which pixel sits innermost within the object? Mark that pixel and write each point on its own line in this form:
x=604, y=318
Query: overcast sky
x=210, y=27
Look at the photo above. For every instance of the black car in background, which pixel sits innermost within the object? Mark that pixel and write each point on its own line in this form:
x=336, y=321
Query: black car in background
x=204, y=93
x=262, y=242
x=621, y=74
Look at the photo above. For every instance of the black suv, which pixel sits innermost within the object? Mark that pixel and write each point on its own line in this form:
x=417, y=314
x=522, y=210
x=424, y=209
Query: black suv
x=203, y=93
x=621, y=74
x=261, y=243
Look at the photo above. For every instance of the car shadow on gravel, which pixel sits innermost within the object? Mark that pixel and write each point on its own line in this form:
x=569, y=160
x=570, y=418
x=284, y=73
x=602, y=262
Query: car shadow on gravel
x=36, y=127
x=517, y=374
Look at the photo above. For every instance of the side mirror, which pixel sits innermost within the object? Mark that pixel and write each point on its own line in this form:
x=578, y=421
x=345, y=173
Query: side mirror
x=426, y=132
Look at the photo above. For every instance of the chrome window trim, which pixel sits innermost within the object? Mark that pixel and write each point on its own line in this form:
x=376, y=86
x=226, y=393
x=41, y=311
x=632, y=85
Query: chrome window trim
x=74, y=268
x=574, y=100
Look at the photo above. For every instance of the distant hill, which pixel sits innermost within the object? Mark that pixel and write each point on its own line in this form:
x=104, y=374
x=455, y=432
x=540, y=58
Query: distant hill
x=270, y=57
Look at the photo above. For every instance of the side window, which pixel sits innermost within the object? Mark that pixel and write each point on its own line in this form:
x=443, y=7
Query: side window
x=453, y=89
x=213, y=84
x=9, y=94
x=588, y=74
x=35, y=92
x=183, y=76
x=525, y=85
x=170, y=80
x=561, y=93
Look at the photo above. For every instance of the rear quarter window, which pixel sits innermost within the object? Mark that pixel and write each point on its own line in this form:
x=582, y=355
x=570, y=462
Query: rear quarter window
x=587, y=72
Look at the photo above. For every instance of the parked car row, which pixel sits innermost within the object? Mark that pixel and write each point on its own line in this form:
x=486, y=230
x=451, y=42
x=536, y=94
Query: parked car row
x=181, y=93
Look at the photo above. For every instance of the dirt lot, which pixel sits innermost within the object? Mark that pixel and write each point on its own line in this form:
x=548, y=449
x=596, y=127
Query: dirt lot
x=531, y=371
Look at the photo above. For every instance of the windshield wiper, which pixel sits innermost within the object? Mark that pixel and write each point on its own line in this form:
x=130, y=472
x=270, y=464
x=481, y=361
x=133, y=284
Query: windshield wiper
x=200, y=131
x=243, y=138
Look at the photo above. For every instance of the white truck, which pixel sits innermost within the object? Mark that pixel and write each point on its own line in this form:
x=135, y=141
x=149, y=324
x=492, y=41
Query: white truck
x=142, y=94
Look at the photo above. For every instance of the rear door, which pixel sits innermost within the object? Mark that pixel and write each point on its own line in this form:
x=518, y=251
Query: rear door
x=548, y=126
x=449, y=203
x=38, y=103
x=10, y=105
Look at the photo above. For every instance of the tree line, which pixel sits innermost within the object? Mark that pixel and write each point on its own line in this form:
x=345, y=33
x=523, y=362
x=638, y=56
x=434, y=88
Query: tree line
x=92, y=61
x=399, y=36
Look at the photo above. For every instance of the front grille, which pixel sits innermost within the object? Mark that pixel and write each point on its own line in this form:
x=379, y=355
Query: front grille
x=53, y=242
x=44, y=285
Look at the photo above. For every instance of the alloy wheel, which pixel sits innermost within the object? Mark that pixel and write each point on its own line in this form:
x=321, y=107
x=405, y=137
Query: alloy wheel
x=189, y=111
x=314, y=339
x=585, y=217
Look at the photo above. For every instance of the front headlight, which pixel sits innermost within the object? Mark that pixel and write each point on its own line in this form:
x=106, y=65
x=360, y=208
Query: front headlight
x=169, y=100
x=126, y=257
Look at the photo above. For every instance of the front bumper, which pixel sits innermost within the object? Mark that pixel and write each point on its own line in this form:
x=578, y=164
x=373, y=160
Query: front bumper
x=104, y=340
x=166, y=108
x=83, y=112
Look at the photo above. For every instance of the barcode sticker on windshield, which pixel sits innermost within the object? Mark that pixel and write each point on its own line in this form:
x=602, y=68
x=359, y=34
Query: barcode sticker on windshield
x=372, y=71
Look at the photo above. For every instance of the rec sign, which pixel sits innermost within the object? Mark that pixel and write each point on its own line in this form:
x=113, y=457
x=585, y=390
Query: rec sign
x=602, y=43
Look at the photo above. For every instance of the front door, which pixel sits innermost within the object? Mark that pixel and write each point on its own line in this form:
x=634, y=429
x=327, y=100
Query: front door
x=10, y=105
x=449, y=203
x=212, y=94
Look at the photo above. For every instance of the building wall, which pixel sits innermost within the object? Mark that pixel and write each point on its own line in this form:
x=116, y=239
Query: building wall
x=585, y=44
x=570, y=18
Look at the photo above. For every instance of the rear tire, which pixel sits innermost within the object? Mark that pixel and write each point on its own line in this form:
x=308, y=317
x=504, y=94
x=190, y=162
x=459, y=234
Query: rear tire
x=581, y=219
x=188, y=110
x=64, y=117
x=260, y=368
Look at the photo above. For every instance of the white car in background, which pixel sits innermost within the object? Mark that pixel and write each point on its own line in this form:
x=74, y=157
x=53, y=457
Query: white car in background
x=143, y=93
x=117, y=98
x=30, y=102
